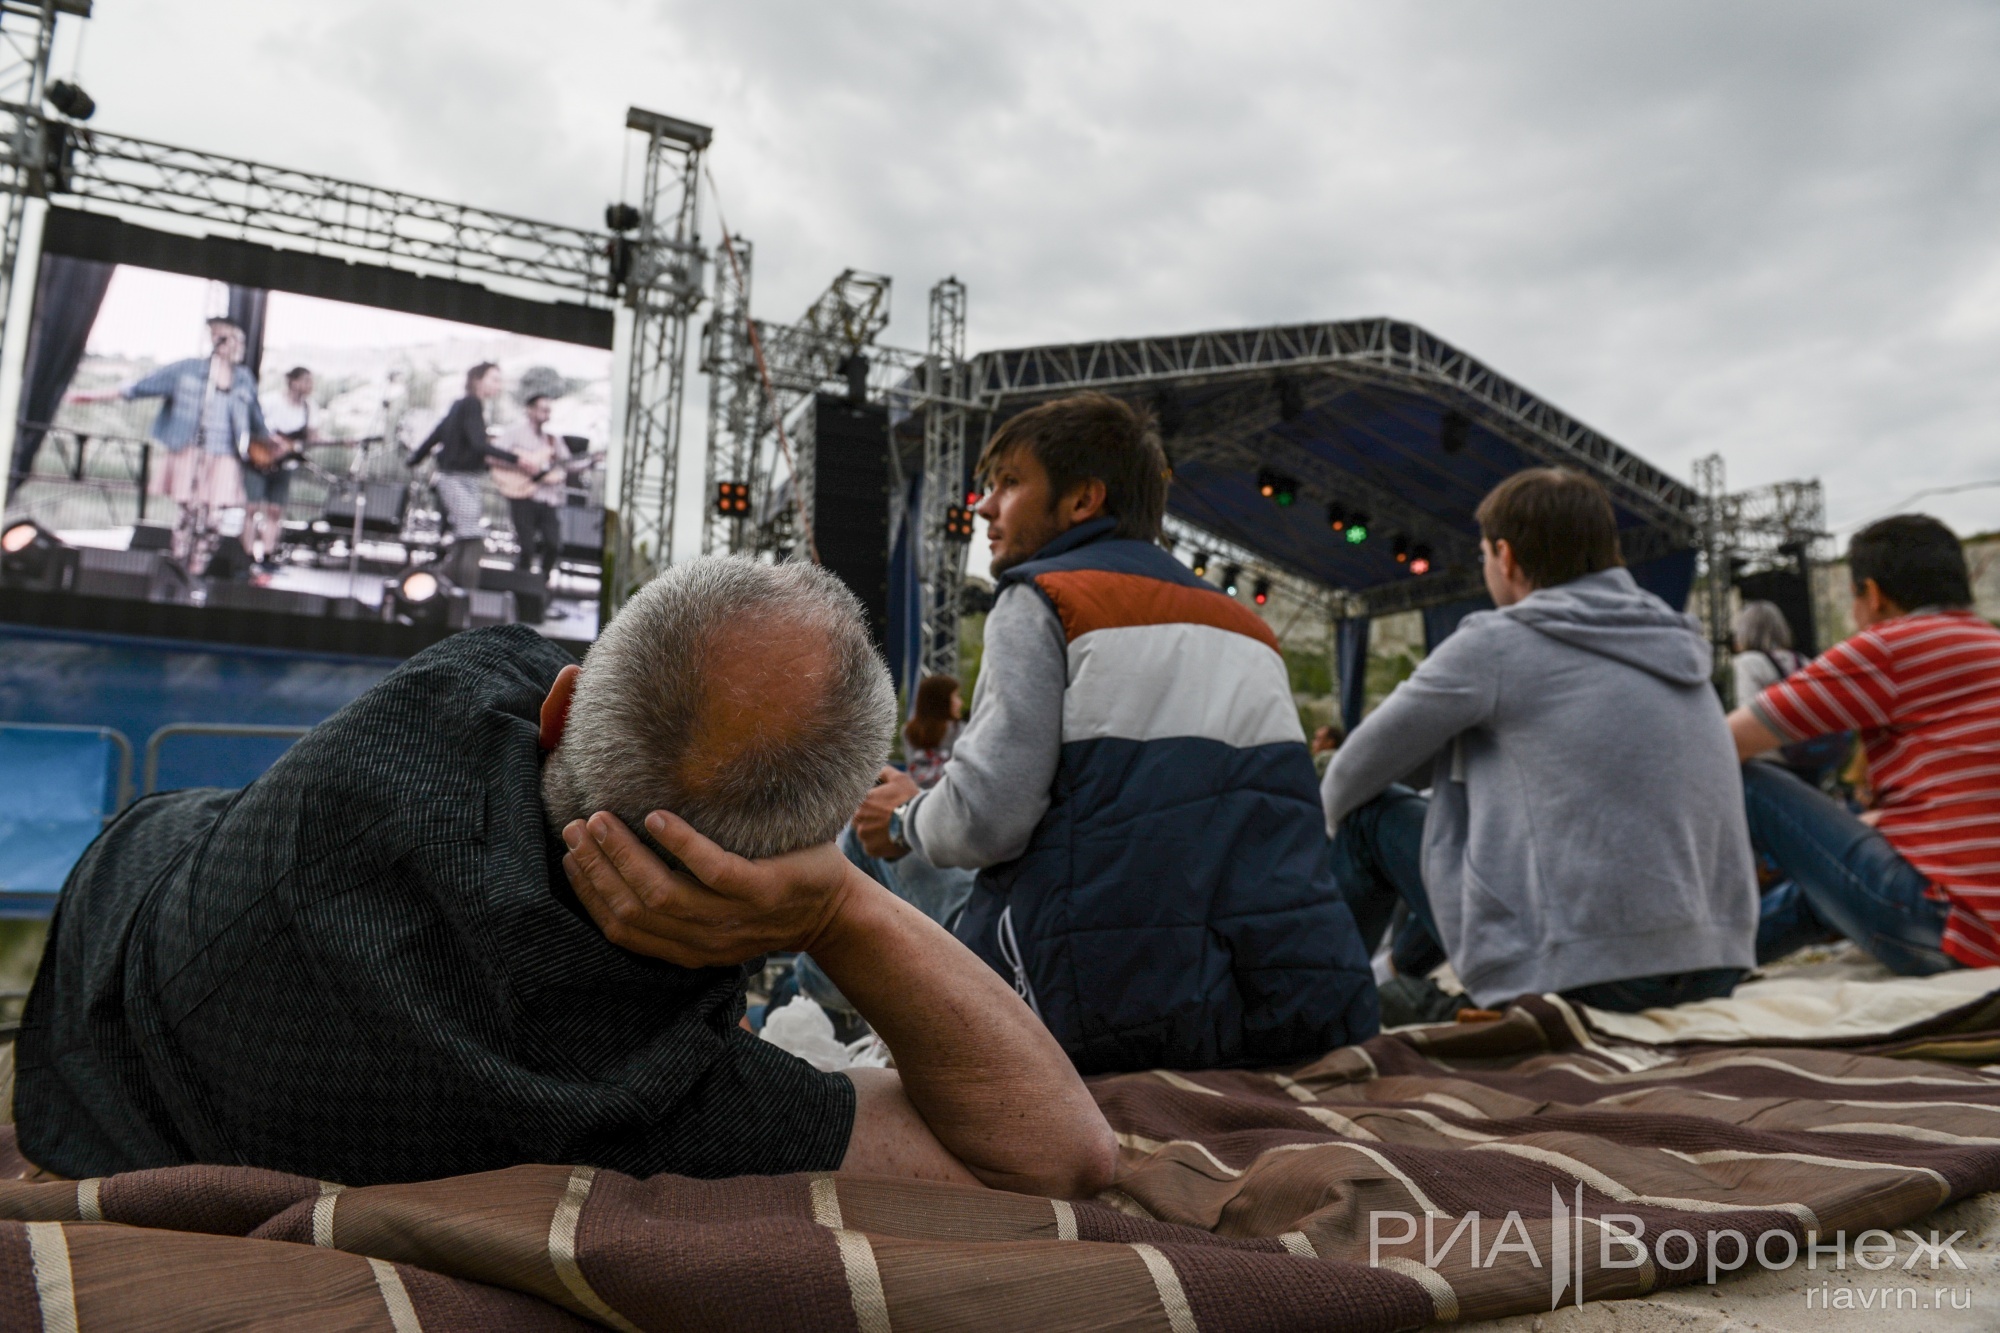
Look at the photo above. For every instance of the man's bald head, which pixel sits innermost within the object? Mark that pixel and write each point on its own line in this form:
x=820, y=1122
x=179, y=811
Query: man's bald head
x=746, y=698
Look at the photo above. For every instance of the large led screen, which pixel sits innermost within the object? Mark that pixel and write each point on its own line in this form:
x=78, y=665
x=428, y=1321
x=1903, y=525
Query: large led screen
x=245, y=451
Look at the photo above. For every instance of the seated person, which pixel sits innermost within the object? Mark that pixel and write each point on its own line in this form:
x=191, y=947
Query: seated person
x=1915, y=880
x=1582, y=834
x=1133, y=785
x=379, y=961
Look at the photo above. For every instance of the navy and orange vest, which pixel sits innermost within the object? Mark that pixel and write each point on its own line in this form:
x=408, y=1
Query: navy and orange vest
x=1175, y=907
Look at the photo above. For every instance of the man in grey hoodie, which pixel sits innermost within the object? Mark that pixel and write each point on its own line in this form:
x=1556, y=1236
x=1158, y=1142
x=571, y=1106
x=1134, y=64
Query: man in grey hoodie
x=1585, y=830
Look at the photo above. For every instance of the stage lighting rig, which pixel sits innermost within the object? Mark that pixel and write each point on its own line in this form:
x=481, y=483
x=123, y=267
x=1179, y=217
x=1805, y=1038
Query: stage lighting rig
x=1420, y=559
x=1260, y=591
x=1357, y=528
x=957, y=523
x=732, y=499
x=1401, y=549
x=1231, y=576
x=33, y=557
x=1201, y=564
x=1276, y=487
x=622, y=218
x=1336, y=517
x=70, y=100
x=421, y=597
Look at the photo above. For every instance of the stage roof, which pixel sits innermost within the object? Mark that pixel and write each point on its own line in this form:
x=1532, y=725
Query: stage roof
x=1373, y=415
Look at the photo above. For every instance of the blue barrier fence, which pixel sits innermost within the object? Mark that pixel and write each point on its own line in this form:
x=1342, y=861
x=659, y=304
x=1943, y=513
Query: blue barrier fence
x=70, y=703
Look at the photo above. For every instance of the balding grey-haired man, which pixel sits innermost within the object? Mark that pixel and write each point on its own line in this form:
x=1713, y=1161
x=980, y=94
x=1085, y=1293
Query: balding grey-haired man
x=380, y=961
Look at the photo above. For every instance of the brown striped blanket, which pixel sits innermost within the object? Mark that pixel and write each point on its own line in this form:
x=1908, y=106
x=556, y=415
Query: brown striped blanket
x=1448, y=1173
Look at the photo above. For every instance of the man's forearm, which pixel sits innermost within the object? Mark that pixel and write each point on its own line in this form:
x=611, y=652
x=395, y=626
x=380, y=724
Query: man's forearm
x=1753, y=736
x=979, y=1067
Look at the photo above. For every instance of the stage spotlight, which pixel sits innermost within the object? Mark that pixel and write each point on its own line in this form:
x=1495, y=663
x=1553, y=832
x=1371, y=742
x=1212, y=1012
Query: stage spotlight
x=420, y=598
x=71, y=100
x=1232, y=576
x=33, y=557
x=621, y=217
x=1260, y=591
x=1401, y=549
x=1277, y=487
x=732, y=499
x=1336, y=517
x=1201, y=564
x=1420, y=559
x=957, y=523
x=1357, y=528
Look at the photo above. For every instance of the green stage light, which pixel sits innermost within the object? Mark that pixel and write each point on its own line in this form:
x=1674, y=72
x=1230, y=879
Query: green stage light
x=1356, y=534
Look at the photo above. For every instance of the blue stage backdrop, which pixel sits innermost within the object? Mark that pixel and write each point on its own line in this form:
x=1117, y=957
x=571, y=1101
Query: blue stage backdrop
x=140, y=685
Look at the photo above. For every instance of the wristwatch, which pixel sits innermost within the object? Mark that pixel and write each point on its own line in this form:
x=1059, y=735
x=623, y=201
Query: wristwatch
x=896, y=826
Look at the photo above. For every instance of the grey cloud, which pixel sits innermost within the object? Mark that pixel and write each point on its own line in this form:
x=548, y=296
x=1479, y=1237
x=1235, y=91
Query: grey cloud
x=1764, y=229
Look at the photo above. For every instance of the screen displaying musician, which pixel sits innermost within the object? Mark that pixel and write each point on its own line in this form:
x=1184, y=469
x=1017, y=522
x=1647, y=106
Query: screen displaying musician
x=299, y=459
x=208, y=414
x=267, y=480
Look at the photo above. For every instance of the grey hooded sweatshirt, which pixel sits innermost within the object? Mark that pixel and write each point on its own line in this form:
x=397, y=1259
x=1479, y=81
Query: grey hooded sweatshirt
x=1586, y=820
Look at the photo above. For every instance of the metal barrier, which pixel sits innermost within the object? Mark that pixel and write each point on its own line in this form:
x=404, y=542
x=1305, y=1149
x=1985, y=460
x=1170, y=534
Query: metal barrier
x=172, y=730
x=118, y=738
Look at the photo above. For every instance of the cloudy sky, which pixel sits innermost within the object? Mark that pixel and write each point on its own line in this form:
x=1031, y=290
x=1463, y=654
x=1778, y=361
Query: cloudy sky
x=1764, y=229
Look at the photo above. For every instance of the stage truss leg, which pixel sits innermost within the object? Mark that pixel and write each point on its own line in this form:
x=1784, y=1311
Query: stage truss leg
x=664, y=289
x=735, y=404
x=26, y=31
x=946, y=419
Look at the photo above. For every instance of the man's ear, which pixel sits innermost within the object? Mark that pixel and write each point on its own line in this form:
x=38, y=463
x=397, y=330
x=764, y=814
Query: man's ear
x=555, y=708
x=1086, y=501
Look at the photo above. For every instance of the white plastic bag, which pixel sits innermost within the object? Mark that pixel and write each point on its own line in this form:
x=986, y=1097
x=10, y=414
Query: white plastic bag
x=802, y=1028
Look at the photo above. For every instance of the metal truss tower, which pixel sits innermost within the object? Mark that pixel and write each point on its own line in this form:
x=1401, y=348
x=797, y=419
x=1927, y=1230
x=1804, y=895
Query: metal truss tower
x=736, y=404
x=27, y=30
x=946, y=379
x=1784, y=521
x=745, y=408
x=662, y=285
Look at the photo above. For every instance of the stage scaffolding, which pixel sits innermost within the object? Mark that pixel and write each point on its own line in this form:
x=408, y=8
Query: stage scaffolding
x=1765, y=526
x=652, y=264
x=833, y=348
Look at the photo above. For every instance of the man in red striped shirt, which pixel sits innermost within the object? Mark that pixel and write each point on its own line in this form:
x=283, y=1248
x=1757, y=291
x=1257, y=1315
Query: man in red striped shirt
x=1916, y=879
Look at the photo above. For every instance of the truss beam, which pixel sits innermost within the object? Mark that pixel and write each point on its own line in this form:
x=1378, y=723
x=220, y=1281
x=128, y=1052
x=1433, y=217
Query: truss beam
x=945, y=432
x=663, y=287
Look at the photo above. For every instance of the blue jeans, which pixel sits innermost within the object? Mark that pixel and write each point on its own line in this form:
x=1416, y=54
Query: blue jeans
x=1378, y=860
x=1842, y=878
x=939, y=892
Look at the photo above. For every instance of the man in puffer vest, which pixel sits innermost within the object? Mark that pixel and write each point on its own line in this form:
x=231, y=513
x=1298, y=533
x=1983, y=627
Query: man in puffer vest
x=1133, y=785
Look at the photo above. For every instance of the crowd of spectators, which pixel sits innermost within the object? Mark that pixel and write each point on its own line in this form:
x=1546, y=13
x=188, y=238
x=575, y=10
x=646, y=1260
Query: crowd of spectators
x=502, y=910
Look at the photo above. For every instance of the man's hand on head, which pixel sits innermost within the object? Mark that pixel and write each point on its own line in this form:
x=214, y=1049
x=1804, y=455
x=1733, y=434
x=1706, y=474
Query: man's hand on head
x=893, y=789
x=724, y=911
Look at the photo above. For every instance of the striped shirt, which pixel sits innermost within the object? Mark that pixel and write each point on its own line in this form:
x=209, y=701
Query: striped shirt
x=1923, y=691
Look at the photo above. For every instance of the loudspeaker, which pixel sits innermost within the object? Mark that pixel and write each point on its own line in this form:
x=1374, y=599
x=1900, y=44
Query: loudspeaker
x=491, y=608
x=1791, y=592
x=386, y=502
x=582, y=533
x=850, y=509
x=145, y=576
x=531, y=591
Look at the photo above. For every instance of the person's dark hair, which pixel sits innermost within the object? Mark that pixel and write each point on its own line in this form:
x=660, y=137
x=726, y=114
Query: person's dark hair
x=297, y=373
x=1558, y=522
x=477, y=373
x=534, y=398
x=932, y=717
x=1914, y=559
x=1090, y=435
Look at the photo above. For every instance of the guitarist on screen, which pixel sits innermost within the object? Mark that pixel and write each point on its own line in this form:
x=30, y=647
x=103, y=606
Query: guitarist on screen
x=267, y=478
